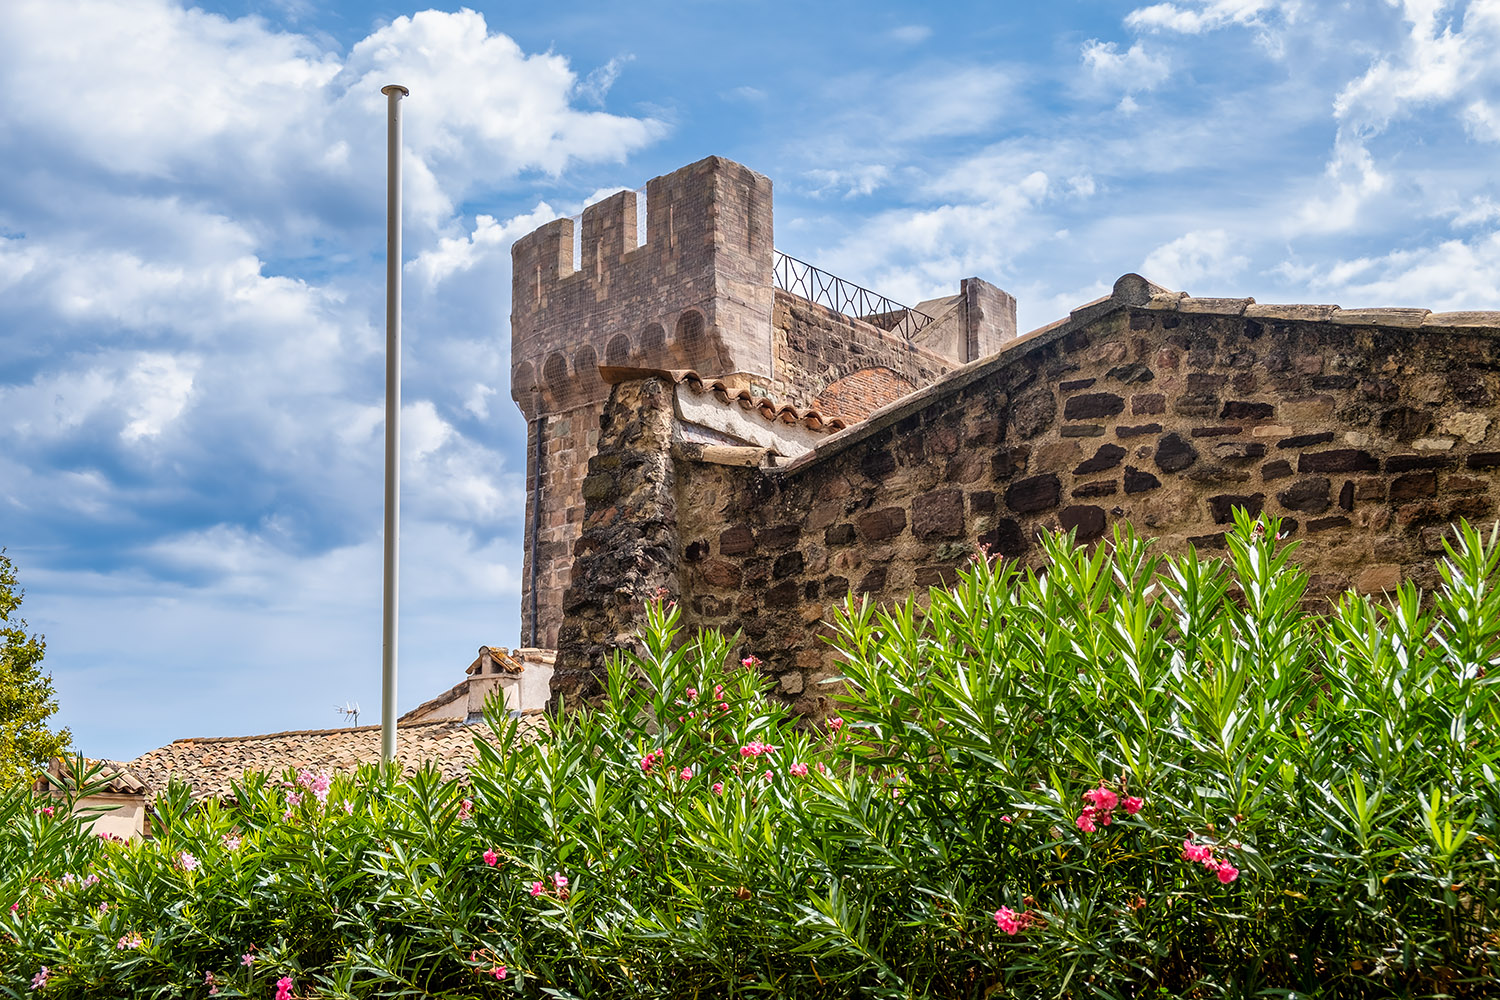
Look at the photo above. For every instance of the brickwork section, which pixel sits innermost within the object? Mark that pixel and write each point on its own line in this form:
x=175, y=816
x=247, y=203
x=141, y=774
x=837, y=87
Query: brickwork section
x=1370, y=435
x=569, y=439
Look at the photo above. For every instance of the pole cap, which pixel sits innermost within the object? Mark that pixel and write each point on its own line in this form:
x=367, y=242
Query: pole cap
x=391, y=88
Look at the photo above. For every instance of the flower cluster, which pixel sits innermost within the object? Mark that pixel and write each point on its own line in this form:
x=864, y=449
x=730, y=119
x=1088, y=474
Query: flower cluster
x=559, y=887
x=1101, y=806
x=1013, y=923
x=465, y=808
x=211, y=983
x=490, y=857
x=755, y=748
x=652, y=759
x=187, y=862
x=40, y=979
x=284, y=988
x=1203, y=854
x=317, y=782
x=130, y=941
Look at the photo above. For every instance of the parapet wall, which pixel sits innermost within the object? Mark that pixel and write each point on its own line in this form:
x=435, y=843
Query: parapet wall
x=1369, y=431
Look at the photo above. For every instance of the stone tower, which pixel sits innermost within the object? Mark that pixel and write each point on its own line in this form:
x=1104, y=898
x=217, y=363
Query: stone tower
x=699, y=293
x=696, y=294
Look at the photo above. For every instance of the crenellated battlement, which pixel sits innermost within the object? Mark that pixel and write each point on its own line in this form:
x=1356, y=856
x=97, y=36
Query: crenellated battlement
x=696, y=294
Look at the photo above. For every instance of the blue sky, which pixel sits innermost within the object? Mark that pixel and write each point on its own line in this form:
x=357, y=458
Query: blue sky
x=191, y=241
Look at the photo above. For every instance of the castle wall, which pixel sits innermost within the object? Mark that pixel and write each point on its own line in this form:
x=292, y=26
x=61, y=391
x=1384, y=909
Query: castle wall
x=1369, y=431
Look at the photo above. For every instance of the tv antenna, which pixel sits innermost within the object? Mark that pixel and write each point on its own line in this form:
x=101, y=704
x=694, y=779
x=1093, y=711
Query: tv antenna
x=349, y=711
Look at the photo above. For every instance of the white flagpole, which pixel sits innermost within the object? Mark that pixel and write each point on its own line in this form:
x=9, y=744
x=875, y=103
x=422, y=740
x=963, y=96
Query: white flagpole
x=393, y=93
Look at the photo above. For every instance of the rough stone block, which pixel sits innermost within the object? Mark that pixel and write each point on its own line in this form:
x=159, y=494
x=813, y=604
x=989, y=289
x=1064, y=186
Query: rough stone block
x=1135, y=372
x=720, y=574
x=1105, y=488
x=1093, y=405
x=1196, y=405
x=1222, y=507
x=1239, y=451
x=1327, y=523
x=1309, y=496
x=1082, y=430
x=1235, y=409
x=839, y=534
x=1484, y=460
x=1038, y=493
x=1033, y=412
x=1219, y=430
x=1075, y=385
x=878, y=525
x=1338, y=460
x=939, y=514
x=1414, y=486
x=1089, y=521
x=778, y=537
x=787, y=564
x=1148, y=404
x=1137, y=430
x=1006, y=538
x=1173, y=453
x=1278, y=469
x=1137, y=481
x=736, y=541
x=1107, y=457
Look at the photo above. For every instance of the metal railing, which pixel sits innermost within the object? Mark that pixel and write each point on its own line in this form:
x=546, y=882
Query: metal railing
x=801, y=278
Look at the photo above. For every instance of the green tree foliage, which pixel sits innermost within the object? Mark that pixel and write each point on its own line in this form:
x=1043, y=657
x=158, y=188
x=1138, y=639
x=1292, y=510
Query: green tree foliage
x=26, y=697
x=1123, y=777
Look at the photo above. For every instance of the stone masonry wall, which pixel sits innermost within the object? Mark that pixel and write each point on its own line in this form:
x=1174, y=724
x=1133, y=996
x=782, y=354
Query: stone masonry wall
x=1369, y=432
x=568, y=441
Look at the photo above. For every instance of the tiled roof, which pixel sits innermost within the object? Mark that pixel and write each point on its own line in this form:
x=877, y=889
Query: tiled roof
x=116, y=777
x=504, y=659
x=726, y=393
x=211, y=764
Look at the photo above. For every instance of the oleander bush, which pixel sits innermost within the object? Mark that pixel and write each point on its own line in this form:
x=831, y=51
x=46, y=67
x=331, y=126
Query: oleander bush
x=1126, y=776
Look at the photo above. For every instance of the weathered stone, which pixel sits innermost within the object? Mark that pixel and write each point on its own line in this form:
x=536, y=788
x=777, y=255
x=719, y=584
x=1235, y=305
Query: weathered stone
x=1405, y=463
x=736, y=541
x=878, y=525
x=1038, y=493
x=1305, y=440
x=1327, y=523
x=1206, y=382
x=873, y=581
x=778, y=537
x=1137, y=431
x=1088, y=521
x=599, y=487
x=839, y=534
x=982, y=502
x=787, y=564
x=1434, y=443
x=935, y=576
x=1466, y=484
x=1308, y=495
x=1107, y=457
x=1173, y=453
x=1414, y=486
x=1005, y=539
x=878, y=464
x=1135, y=372
x=1337, y=460
x=1378, y=579
x=1278, y=469
x=696, y=551
x=1093, y=405
x=1405, y=423
x=939, y=514
x=1222, y=507
x=783, y=595
x=720, y=573
x=1472, y=427
x=1220, y=430
x=1484, y=460
x=1010, y=461
x=1033, y=412
x=1137, y=481
x=790, y=682
x=1147, y=404
x=1195, y=404
x=1213, y=541
x=1346, y=495
x=1239, y=451
x=1235, y=409
x=1324, y=382
x=1076, y=384
x=1105, y=488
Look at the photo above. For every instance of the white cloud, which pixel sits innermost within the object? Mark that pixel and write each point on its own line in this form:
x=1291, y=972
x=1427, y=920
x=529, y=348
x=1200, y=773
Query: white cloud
x=911, y=34
x=1205, y=15
x=159, y=386
x=456, y=254
x=1135, y=69
x=594, y=88
x=1202, y=255
x=1451, y=274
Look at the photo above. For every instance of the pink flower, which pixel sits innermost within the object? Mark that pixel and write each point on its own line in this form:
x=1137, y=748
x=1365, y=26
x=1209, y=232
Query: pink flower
x=718, y=788
x=294, y=799
x=316, y=782
x=465, y=808
x=822, y=767
x=537, y=889
x=718, y=690
x=129, y=941
x=685, y=774
x=1227, y=872
x=560, y=880
x=490, y=857
x=1196, y=852
x=499, y=971
x=1085, y=821
x=767, y=776
x=750, y=662
x=187, y=862
x=1008, y=920
x=692, y=693
x=723, y=706
x=40, y=979
x=247, y=959
x=835, y=723
x=284, y=988
x=231, y=841
x=799, y=769
x=1102, y=798
x=1133, y=805
x=1005, y=818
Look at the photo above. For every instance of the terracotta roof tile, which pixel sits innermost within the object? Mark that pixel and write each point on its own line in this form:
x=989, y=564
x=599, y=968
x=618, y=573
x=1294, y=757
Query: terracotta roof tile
x=768, y=408
x=211, y=764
